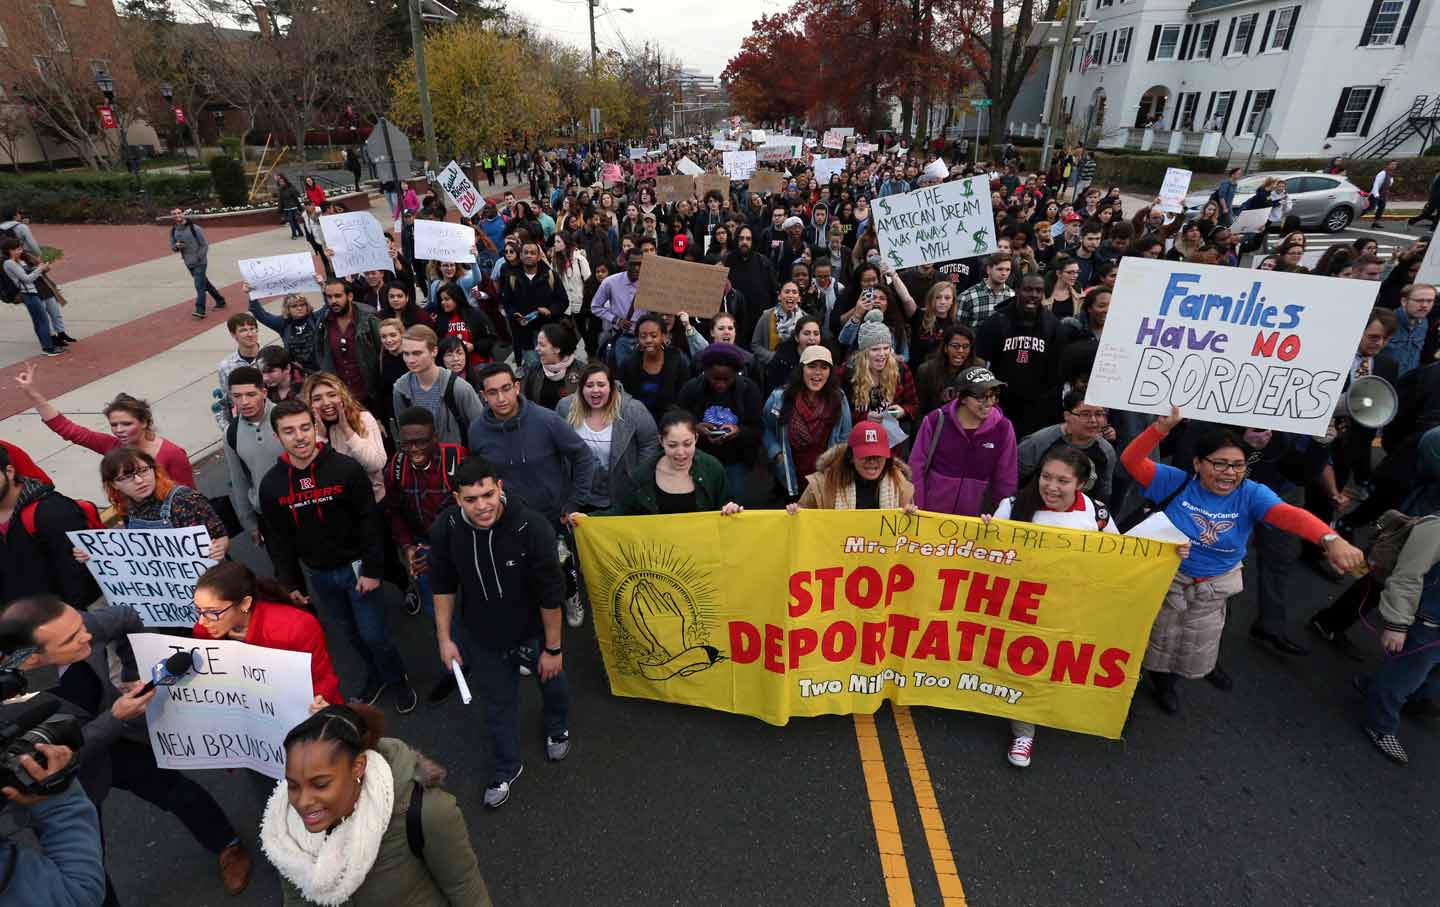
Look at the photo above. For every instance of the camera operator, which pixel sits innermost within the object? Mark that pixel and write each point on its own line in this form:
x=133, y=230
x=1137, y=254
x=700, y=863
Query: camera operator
x=67, y=870
x=116, y=752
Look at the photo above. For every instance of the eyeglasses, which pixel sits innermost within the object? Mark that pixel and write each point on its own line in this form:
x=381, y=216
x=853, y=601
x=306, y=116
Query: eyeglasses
x=212, y=615
x=140, y=473
x=1097, y=416
x=1226, y=465
x=986, y=397
x=415, y=445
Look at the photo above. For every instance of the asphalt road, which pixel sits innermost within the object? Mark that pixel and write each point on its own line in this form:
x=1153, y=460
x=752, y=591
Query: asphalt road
x=1269, y=794
x=1392, y=234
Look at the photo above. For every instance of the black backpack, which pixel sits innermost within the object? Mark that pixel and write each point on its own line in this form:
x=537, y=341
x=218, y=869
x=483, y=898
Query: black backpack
x=447, y=396
x=1139, y=514
x=414, y=831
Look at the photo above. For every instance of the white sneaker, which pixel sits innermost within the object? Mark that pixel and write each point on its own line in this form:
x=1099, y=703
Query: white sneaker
x=574, y=611
x=1020, y=749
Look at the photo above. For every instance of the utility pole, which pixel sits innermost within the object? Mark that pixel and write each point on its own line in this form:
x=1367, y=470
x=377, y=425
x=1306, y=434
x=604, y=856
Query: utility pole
x=1057, y=90
x=422, y=83
x=594, y=49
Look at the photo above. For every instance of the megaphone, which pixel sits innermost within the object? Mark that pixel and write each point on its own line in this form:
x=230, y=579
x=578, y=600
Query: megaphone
x=1371, y=402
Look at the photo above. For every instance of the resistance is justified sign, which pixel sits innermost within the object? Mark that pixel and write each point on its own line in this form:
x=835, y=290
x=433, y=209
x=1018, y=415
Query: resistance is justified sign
x=834, y=612
x=152, y=570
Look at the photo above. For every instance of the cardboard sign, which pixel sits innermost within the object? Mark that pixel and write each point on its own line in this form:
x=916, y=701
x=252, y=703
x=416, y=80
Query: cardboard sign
x=461, y=191
x=1173, y=190
x=713, y=182
x=826, y=168
x=671, y=189
x=358, y=241
x=936, y=223
x=767, y=181
x=436, y=240
x=645, y=171
x=689, y=167
x=279, y=275
x=674, y=285
x=739, y=164
x=232, y=710
x=1261, y=349
x=151, y=570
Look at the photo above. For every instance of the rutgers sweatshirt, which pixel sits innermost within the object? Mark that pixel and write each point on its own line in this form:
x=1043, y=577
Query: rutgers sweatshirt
x=324, y=515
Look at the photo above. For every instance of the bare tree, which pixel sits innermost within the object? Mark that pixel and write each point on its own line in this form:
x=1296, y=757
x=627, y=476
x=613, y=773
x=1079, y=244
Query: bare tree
x=14, y=126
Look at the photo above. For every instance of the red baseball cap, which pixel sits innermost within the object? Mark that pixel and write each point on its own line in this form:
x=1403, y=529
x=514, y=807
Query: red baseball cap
x=680, y=244
x=868, y=439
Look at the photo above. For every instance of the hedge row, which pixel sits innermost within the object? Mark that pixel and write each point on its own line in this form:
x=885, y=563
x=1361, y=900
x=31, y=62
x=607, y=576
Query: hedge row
x=90, y=197
x=1412, y=177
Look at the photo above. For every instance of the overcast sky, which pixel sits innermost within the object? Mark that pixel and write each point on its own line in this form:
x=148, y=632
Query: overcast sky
x=704, y=34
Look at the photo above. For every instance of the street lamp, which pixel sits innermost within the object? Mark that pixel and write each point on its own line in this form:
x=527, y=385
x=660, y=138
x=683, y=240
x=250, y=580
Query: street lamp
x=168, y=93
x=106, y=84
x=595, y=48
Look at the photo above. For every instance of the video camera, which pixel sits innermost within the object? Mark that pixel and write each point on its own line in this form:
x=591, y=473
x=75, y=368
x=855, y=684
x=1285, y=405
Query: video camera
x=27, y=719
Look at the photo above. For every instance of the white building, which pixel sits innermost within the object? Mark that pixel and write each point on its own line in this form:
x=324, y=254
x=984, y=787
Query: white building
x=1298, y=77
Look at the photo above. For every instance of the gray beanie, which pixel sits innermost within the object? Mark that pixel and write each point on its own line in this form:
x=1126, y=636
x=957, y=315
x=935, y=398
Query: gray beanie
x=873, y=331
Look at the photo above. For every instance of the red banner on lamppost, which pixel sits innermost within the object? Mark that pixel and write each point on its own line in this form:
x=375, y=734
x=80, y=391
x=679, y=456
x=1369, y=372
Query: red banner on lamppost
x=107, y=117
x=179, y=116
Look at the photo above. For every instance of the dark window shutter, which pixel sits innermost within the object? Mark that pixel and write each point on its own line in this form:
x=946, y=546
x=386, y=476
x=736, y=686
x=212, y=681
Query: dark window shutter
x=1209, y=108
x=1374, y=106
x=1229, y=36
x=1294, y=24
x=1185, y=43
x=1339, y=111
x=1265, y=37
x=1129, y=40
x=1100, y=51
x=1405, y=26
x=1230, y=111
x=1370, y=23
x=1250, y=38
x=1154, y=42
x=1244, y=109
x=1214, y=39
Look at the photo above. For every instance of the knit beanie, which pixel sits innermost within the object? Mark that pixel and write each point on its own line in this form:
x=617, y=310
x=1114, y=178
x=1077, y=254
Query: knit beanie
x=873, y=331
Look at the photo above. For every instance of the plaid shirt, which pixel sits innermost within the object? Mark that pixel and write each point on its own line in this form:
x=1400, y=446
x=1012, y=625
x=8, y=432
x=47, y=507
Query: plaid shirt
x=979, y=302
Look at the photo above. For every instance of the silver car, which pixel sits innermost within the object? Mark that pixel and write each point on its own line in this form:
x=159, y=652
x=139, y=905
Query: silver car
x=1320, y=200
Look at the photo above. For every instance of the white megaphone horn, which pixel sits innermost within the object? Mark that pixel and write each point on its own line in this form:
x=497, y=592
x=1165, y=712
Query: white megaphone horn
x=1371, y=402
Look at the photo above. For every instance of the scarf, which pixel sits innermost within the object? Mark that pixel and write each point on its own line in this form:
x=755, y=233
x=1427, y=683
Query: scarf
x=844, y=498
x=557, y=371
x=811, y=419
x=785, y=324
x=329, y=868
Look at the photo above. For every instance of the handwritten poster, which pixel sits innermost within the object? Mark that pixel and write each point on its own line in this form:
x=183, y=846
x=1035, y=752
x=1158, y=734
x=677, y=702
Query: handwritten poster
x=688, y=167
x=757, y=136
x=739, y=164
x=767, y=181
x=436, y=240
x=645, y=170
x=937, y=223
x=718, y=183
x=674, y=285
x=827, y=168
x=461, y=191
x=279, y=275
x=638, y=153
x=726, y=145
x=151, y=570
x=1252, y=221
x=1173, y=189
x=232, y=710
x=358, y=241
x=1261, y=349
x=671, y=189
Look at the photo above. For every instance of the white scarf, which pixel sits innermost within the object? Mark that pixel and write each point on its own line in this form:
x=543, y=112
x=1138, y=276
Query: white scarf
x=557, y=371
x=329, y=868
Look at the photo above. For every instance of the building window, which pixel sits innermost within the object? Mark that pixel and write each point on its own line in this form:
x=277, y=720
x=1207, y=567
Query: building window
x=1169, y=42
x=1206, y=42
x=1120, y=49
x=1185, y=111
x=1353, y=107
x=1220, y=117
x=1284, y=22
x=1386, y=26
x=1255, y=119
x=50, y=21
x=1244, y=30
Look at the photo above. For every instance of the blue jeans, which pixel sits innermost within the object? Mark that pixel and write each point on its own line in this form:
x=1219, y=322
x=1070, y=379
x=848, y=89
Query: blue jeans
x=203, y=286
x=1401, y=676
x=39, y=319
x=458, y=634
x=360, y=618
x=496, y=678
x=292, y=217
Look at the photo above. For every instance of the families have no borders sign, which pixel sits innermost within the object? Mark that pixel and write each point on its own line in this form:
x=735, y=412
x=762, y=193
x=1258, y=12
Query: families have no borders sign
x=1240, y=347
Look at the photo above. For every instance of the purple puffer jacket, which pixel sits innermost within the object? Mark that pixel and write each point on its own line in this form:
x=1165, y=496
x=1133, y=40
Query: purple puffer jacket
x=967, y=466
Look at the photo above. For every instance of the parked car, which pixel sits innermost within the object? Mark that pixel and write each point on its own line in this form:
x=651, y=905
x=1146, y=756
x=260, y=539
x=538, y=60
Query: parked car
x=1321, y=201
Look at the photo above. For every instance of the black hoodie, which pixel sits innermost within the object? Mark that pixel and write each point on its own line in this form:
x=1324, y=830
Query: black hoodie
x=504, y=575
x=42, y=563
x=323, y=515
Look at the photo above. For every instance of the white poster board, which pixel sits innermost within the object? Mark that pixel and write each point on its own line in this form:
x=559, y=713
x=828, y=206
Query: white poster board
x=279, y=275
x=638, y=153
x=151, y=570
x=826, y=168
x=1250, y=221
x=1260, y=349
x=778, y=150
x=757, y=136
x=866, y=147
x=436, y=240
x=689, y=167
x=726, y=145
x=232, y=711
x=739, y=164
x=936, y=223
x=463, y=194
x=833, y=139
x=1174, y=189
x=1430, y=265
x=358, y=241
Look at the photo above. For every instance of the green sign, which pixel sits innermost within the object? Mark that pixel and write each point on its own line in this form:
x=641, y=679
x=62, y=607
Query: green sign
x=979, y=102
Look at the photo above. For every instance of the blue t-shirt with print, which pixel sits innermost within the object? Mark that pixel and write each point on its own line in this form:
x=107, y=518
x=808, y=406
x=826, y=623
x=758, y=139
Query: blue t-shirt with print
x=1218, y=525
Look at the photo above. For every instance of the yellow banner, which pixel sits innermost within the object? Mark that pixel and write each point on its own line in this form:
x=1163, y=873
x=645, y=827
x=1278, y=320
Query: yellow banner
x=833, y=612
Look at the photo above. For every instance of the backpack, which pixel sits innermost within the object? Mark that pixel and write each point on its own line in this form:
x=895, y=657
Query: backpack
x=447, y=396
x=90, y=511
x=1146, y=509
x=449, y=461
x=1394, y=528
x=9, y=289
x=414, y=831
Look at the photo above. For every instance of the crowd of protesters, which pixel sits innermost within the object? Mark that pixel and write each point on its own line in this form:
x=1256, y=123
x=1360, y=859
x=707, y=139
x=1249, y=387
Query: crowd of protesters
x=442, y=427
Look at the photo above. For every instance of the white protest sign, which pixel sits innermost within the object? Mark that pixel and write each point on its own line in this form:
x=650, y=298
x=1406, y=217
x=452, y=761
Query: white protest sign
x=1252, y=221
x=436, y=240
x=638, y=153
x=151, y=570
x=757, y=136
x=777, y=151
x=833, y=139
x=739, y=164
x=844, y=131
x=1261, y=349
x=726, y=145
x=1430, y=265
x=358, y=241
x=951, y=220
x=688, y=167
x=232, y=710
x=936, y=169
x=826, y=168
x=865, y=147
x=462, y=192
x=1173, y=190
x=279, y=275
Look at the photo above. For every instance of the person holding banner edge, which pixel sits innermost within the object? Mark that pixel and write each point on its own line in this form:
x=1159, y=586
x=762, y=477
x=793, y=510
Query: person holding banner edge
x=1216, y=508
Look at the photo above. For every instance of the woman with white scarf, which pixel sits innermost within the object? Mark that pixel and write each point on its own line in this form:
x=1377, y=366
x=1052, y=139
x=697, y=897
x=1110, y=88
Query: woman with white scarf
x=361, y=821
x=776, y=324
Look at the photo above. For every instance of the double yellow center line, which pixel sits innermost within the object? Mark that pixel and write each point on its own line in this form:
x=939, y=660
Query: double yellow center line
x=887, y=826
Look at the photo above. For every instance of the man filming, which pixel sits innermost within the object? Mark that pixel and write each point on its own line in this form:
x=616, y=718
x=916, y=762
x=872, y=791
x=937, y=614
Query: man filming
x=67, y=870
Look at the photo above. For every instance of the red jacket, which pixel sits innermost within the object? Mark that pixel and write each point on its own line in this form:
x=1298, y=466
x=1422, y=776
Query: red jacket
x=277, y=626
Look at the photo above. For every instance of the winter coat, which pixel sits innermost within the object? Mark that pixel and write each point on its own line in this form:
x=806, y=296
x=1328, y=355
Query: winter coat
x=819, y=496
x=194, y=248
x=959, y=471
x=277, y=625
x=633, y=438
x=300, y=335
x=67, y=870
x=642, y=494
x=538, y=456
x=367, y=348
x=41, y=564
x=777, y=439
x=532, y=384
